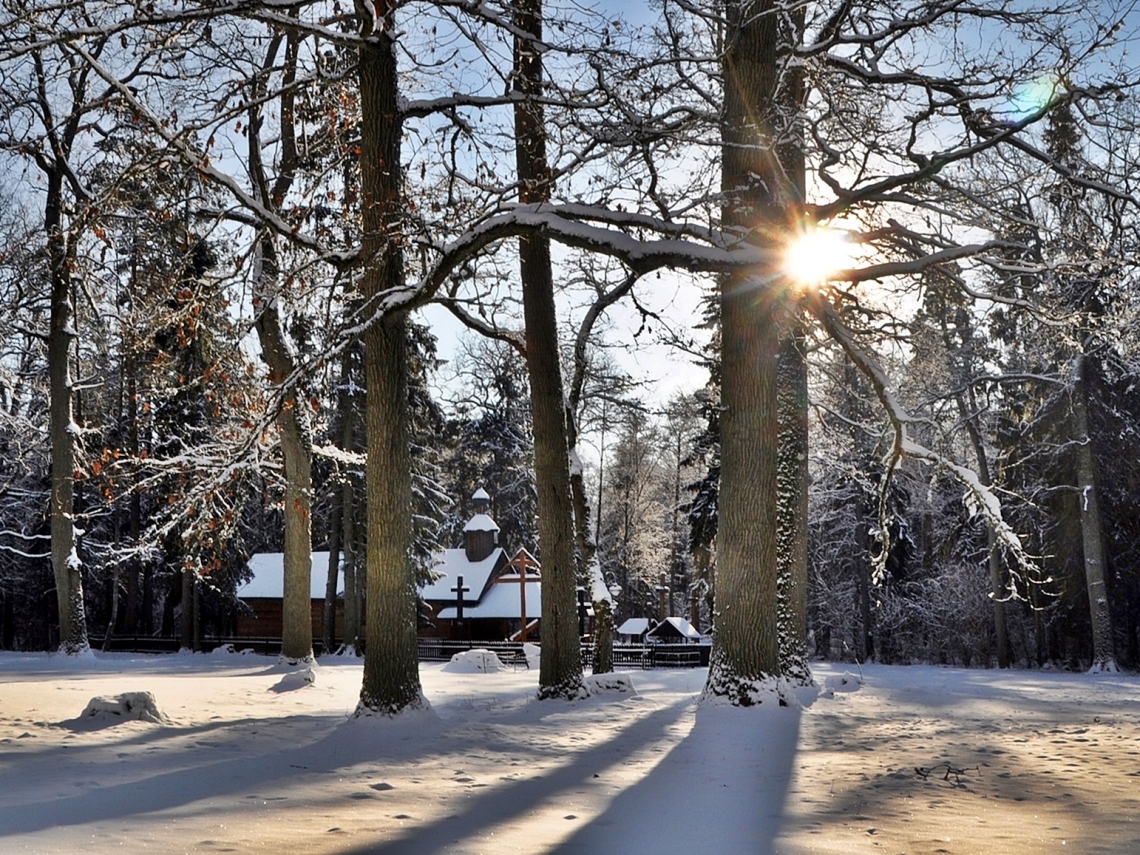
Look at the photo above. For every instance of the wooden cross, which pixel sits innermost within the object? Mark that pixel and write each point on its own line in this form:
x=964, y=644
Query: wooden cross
x=521, y=562
x=459, y=590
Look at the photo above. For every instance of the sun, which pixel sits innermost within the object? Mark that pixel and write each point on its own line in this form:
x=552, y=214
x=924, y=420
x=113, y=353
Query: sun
x=816, y=254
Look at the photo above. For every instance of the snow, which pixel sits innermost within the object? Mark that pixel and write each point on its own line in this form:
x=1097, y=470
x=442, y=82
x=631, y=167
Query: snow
x=476, y=661
x=686, y=629
x=453, y=563
x=1042, y=762
x=634, y=626
x=502, y=601
x=268, y=580
x=481, y=522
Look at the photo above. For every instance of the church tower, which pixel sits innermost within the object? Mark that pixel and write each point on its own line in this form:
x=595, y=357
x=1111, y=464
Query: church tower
x=481, y=534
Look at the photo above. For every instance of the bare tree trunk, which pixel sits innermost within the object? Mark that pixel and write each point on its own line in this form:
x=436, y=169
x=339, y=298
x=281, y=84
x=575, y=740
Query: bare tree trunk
x=560, y=672
x=746, y=649
x=186, y=625
x=61, y=431
x=998, y=592
x=292, y=420
x=1104, y=645
x=391, y=669
x=352, y=581
x=296, y=454
x=603, y=637
x=792, y=510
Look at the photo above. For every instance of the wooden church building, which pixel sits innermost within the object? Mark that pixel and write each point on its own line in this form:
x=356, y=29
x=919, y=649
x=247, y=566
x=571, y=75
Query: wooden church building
x=480, y=593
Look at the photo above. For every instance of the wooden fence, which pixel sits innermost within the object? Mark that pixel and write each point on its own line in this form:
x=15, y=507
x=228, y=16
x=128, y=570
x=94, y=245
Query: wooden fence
x=439, y=650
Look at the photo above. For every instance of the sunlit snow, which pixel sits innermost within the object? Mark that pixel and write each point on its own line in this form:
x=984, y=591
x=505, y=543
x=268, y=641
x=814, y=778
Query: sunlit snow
x=254, y=758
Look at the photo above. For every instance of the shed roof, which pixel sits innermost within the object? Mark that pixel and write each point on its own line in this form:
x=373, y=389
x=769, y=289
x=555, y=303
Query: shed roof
x=634, y=626
x=676, y=626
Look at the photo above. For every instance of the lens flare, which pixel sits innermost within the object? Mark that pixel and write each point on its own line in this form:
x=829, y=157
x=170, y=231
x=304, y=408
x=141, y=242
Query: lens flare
x=816, y=255
x=1032, y=97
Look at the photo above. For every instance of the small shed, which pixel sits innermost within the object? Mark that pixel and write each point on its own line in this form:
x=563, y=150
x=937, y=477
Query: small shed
x=264, y=593
x=673, y=630
x=633, y=630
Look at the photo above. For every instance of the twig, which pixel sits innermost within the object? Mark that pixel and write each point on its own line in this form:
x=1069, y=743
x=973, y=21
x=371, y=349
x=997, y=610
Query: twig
x=925, y=773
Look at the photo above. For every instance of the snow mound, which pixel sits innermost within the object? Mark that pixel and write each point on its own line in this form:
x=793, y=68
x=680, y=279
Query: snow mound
x=230, y=650
x=298, y=678
x=477, y=661
x=600, y=684
x=533, y=655
x=129, y=706
x=845, y=682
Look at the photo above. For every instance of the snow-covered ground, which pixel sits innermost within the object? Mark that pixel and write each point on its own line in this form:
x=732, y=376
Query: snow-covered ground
x=252, y=757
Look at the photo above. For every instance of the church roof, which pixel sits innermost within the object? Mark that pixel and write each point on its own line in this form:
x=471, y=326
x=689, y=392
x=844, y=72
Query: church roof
x=452, y=564
x=481, y=522
x=502, y=601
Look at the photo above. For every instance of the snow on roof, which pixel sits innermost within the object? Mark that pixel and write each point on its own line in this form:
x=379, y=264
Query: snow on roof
x=481, y=522
x=686, y=629
x=452, y=563
x=502, y=601
x=481, y=495
x=634, y=626
x=269, y=576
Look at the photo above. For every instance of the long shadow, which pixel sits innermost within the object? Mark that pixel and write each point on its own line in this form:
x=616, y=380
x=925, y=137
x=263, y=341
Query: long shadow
x=244, y=773
x=516, y=799
x=726, y=781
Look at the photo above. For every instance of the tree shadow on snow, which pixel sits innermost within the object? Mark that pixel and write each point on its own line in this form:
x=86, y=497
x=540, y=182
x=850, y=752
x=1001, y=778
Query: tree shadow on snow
x=730, y=772
x=517, y=799
x=727, y=779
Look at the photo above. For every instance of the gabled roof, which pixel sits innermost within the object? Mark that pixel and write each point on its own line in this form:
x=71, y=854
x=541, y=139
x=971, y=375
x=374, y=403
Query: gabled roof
x=634, y=626
x=502, y=601
x=268, y=580
x=680, y=625
x=452, y=564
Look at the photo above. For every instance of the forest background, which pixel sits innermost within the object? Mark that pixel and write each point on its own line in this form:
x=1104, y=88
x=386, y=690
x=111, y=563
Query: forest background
x=219, y=217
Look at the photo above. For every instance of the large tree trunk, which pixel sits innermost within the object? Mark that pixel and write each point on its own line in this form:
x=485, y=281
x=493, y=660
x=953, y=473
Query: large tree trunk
x=296, y=439
x=391, y=669
x=560, y=672
x=1104, y=645
x=61, y=430
x=296, y=454
x=792, y=507
x=746, y=649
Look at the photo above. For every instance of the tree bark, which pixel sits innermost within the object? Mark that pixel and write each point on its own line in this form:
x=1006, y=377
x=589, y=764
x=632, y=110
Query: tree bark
x=746, y=649
x=560, y=671
x=792, y=506
x=296, y=455
x=292, y=421
x=391, y=668
x=998, y=592
x=62, y=429
x=1092, y=541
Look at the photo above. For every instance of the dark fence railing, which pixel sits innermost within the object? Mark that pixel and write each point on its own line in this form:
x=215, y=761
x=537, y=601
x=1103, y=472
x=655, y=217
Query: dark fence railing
x=437, y=650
